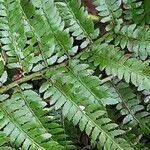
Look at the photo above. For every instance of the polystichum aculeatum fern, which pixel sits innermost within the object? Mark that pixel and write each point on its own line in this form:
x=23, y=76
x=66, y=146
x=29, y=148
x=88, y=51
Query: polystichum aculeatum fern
x=62, y=67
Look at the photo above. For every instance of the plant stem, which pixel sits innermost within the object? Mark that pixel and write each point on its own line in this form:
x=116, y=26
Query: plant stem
x=107, y=79
x=42, y=72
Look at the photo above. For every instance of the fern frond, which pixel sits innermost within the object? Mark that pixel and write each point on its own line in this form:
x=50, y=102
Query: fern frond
x=131, y=108
x=46, y=117
x=12, y=35
x=133, y=11
x=135, y=38
x=4, y=142
x=51, y=63
x=82, y=80
x=90, y=117
x=78, y=21
x=75, y=113
x=115, y=63
x=109, y=10
x=44, y=18
x=21, y=124
x=38, y=50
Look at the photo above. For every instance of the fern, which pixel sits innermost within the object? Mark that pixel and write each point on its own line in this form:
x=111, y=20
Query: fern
x=109, y=10
x=48, y=119
x=79, y=24
x=134, y=11
x=61, y=38
x=130, y=107
x=135, y=38
x=87, y=115
x=12, y=33
x=129, y=69
x=60, y=68
x=21, y=124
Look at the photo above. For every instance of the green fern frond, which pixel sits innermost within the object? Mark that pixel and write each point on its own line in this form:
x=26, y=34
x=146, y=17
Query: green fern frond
x=90, y=117
x=130, y=107
x=134, y=11
x=20, y=123
x=54, y=72
x=82, y=80
x=78, y=21
x=39, y=50
x=135, y=38
x=74, y=112
x=4, y=142
x=46, y=117
x=109, y=10
x=50, y=29
x=115, y=63
x=12, y=35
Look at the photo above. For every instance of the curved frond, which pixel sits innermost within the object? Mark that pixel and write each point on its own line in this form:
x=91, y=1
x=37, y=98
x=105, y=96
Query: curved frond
x=78, y=21
x=21, y=124
x=134, y=11
x=115, y=63
x=109, y=10
x=90, y=117
x=135, y=38
x=130, y=107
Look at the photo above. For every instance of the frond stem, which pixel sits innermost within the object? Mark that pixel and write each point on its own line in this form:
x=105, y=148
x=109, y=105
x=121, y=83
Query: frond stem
x=41, y=72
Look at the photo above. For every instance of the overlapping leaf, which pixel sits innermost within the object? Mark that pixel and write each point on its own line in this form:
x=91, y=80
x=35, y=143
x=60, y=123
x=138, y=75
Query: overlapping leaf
x=134, y=11
x=135, y=38
x=54, y=43
x=130, y=107
x=78, y=21
x=115, y=63
x=109, y=10
x=77, y=105
x=22, y=125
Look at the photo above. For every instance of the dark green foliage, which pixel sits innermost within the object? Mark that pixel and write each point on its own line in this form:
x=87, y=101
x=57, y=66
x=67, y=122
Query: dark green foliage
x=68, y=82
x=130, y=106
x=147, y=11
x=134, y=11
